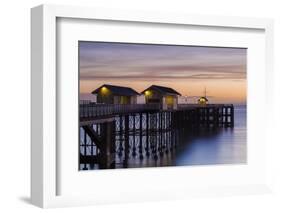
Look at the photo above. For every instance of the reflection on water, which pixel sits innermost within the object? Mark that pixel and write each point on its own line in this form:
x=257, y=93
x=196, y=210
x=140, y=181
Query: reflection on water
x=228, y=146
x=208, y=147
x=224, y=146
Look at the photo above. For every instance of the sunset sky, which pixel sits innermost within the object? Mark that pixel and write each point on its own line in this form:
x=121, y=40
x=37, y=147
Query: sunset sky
x=187, y=69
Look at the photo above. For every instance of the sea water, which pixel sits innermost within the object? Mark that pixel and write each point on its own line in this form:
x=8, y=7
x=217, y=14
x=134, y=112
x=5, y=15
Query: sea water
x=226, y=146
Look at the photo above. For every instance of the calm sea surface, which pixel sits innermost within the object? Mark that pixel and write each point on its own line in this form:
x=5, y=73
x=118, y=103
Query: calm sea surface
x=227, y=146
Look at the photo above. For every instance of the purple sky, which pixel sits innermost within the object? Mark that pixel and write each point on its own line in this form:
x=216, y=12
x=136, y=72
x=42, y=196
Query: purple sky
x=187, y=69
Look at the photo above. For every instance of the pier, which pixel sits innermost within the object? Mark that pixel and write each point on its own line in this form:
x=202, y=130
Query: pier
x=123, y=131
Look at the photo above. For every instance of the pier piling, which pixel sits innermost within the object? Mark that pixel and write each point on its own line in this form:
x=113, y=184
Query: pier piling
x=123, y=132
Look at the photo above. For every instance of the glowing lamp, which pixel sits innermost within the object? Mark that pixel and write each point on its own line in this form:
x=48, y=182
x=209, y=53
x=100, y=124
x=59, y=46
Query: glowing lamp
x=104, y=90
x=147, y=93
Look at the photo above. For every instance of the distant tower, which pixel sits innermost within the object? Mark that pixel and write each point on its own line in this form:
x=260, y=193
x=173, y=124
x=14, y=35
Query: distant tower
x=203, y=100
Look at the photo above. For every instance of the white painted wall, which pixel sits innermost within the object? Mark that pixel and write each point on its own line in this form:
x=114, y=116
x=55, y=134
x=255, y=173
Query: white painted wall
x=140, y=99
x=15, y=93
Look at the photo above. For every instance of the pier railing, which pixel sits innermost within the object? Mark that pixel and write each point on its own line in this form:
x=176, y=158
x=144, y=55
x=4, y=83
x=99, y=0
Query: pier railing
x=93, y=110
x=188, y=106
x=98, y=110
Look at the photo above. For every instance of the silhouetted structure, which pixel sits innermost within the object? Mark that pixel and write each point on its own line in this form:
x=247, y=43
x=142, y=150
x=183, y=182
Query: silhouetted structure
x=120, y=129
x=109, y=131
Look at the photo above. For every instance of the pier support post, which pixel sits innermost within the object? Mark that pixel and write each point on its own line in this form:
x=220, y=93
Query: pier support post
x=140, y=143
x=208, y=117
x=120, y=148
x=161, y=135
x=107, y=151
x=126, y=141
x=232, y=116
x=134, y=136
x=85, y=149
x=147, y=135
x=153, y=134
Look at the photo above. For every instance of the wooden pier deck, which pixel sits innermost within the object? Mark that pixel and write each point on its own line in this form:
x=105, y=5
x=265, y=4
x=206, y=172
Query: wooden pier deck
x=142, y=130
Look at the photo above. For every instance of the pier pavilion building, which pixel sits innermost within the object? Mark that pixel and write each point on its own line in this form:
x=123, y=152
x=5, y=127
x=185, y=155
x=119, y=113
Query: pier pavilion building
x=166, y=96
x=111, y=94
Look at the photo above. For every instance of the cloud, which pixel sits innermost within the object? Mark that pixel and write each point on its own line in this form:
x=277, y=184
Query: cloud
x=100, y=60
x=167, y=77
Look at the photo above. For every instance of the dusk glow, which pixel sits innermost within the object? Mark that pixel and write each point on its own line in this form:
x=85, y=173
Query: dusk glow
x=148, y=105
x=187, y=69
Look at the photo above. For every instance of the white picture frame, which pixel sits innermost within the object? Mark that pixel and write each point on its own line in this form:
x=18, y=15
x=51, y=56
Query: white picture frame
x=44, y=154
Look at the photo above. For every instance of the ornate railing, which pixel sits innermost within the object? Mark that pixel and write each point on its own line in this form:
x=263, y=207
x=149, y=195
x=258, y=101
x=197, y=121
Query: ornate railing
x=93, y=110
x=98, y=110
x=187, y=106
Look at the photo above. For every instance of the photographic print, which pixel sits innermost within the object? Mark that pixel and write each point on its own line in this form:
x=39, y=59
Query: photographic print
x=152, y=105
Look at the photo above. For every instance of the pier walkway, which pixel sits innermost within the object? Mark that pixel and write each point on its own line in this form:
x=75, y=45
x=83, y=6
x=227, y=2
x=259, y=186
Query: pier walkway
x=94, y=111
x=111, y=133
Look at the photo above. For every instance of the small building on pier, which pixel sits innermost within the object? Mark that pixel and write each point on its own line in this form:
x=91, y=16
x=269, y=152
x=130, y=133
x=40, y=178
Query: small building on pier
x=165, y=96
x=203, y=100
x=111, y=94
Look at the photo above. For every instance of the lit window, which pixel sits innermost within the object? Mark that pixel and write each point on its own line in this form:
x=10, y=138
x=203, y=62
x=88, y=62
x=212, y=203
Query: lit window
x=147, y=93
